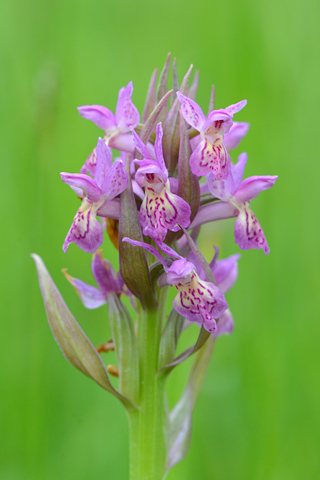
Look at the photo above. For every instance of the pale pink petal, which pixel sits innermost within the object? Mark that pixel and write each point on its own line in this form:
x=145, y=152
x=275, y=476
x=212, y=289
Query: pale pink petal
x=122, y=142
x=99, y=115
x=252, y=186
x=235, y=135
x=215, y=211
x=83, y=182
x=238, y=169
x=86, y=231
x=158, y=149
x=110, y=209
x=222, y=189
x=163, y=211
x=208, y=157
x=90, y=296
x=180, y=271
x=226, y=272
x=116, y=181
x=191, y=112
x=201, y=302
x=127, y=115
x=248, y=232
x=236, y=107
x=225, y=324
x=104, y=163
x=90, y=164
x=104, y=275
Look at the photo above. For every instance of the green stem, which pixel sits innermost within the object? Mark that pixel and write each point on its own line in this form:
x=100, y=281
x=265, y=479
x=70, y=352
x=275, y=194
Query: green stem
x=147, y=425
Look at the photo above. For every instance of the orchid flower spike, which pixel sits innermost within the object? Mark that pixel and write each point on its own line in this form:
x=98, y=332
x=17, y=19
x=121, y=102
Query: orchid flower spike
x=161, y=210
x=211, y=154
x=197, y=300
x=98, y=193
x=116, y=126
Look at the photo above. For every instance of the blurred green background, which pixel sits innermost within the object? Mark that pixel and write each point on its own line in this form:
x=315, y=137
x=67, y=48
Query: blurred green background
x=258, y=415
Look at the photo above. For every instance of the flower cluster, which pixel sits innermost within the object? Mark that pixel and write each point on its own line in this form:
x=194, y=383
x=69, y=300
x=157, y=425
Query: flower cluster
x=150, y=185
x=173, y=173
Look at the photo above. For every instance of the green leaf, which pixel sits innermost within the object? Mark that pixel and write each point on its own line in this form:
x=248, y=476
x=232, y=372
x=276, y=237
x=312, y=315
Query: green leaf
x=163, y=85
x=211, y=101
x=170, y=337
x=201, y=340
x=194, y=87
x=149, y=125
x=151, y=97
x=180, y=423
x=175, y=81
x=72, y=340
x=180, y=418
x=171, y=129
x=126, y=348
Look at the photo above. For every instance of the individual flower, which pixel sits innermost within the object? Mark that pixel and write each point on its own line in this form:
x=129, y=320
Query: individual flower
x=225, y=272
x=211, y=154
x=237, y=193
x=97, y=195
x=116, y=126
x=108, y=283
x=161, y=210
x=197, y=300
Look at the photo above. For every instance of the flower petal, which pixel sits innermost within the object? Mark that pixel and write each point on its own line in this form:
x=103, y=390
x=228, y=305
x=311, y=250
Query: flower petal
x=218, y=121
x=235, y=135
x=226, y=272
x=99, y=115
x=127, y=115
x=110, y=209
x=191, y=112
x=104, y=275
x=150, y=173
x=238, y=169
x=86, y=231
x=236, y=107
x=139, y=145
x=104, y=163
x=208, y=157
x=149, y=248
x=116, y=181
x=84, y=182
x=121, y=141
x=91, y=297
x=179, y=271
x=90, y=164
x=158, y=149
x=225, y=324
x=222, y=189
x=200, y=302
x=215, y=211
x=252, y=186
x=163, y=211
x=248, y=232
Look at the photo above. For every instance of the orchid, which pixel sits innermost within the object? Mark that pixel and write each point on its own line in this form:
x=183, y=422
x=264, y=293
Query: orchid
x=237, y=193
x=116, y=126
x=197, y=300
x=161, y=210
x=211, y=154
x=150, y=203
x=109, y=181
